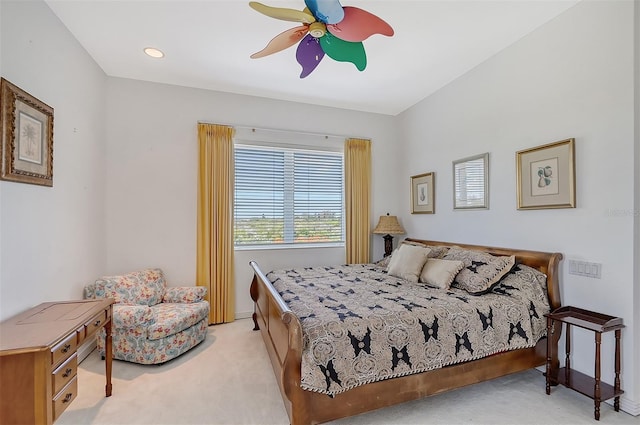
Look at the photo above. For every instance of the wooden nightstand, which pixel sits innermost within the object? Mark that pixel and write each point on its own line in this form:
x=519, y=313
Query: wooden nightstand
x=591, y=387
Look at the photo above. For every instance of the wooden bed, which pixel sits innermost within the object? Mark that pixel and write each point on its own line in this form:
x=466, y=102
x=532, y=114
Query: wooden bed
x=282, y=334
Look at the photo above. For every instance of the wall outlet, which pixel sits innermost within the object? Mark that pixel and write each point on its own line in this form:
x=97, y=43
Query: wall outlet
x=585, y=268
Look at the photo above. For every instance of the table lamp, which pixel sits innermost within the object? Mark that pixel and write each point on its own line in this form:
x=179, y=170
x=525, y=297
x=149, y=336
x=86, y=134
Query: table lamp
x=388, y=225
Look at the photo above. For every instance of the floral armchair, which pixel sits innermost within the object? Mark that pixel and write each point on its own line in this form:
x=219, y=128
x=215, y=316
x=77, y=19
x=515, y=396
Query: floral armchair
x=151, y=324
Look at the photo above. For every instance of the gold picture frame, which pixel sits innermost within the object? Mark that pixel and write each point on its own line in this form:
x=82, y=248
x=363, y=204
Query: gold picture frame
x=422, y=194
x=26, y=126
x=546, y=176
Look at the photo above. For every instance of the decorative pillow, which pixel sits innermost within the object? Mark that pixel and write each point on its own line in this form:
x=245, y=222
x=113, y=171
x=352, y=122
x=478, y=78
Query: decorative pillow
x=408, y=262
x=481, y=270
x=384, y=263
x=529, y=274
x=437, y=251
x=439, y=272
x=414, y=243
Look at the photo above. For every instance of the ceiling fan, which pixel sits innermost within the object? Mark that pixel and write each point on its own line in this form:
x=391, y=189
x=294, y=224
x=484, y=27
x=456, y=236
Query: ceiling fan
x=327, y=28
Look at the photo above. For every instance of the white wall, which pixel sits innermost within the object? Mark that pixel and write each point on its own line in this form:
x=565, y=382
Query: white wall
x=152, y=174
x=52, y=239
x=573, y=77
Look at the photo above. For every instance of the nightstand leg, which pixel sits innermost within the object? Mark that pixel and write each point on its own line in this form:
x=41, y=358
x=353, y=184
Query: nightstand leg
x=616, y=382
x=596, y=399
x=548, y=368
x=567, y=357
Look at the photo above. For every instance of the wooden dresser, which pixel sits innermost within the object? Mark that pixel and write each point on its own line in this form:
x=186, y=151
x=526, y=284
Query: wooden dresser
x=38, y=358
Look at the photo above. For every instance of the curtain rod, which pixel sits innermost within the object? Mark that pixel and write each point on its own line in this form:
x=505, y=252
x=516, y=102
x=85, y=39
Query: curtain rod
x=306, y=133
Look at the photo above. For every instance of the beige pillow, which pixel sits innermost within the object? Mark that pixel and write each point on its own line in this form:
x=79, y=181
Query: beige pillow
x=440, y=273
x=407, y=262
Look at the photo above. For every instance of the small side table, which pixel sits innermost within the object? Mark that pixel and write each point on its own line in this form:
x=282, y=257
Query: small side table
x=591, y=387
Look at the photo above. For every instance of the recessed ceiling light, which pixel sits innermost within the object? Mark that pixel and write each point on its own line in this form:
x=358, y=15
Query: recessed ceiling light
x=153, y=52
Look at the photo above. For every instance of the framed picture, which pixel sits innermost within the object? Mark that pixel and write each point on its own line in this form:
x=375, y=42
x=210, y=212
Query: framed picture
x=422, y=194
x=471, y=183
x=26, y=127
x=546, y=176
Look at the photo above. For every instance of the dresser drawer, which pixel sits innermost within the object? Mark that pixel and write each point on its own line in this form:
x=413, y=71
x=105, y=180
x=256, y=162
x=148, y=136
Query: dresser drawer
x=64, y=373
x=65, y=397
x=64, y=350
x=95, y=323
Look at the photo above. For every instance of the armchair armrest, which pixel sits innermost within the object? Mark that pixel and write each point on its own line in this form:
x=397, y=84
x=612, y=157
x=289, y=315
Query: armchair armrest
x=131, y=316
x=101, y=288
x=185, y=294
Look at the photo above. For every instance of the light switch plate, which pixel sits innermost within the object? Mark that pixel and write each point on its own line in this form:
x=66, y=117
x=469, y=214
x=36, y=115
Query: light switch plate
x=585, y=268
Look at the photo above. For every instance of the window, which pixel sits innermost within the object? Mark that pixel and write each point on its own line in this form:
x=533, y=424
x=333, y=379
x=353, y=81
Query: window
x=287, y=196
x=471, y=183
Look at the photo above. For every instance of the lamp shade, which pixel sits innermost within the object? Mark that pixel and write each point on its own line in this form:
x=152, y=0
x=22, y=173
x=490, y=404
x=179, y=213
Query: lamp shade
x=388, y=225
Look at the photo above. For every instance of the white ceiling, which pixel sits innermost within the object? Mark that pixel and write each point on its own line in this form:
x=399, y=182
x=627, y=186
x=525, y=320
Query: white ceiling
x=207, y=44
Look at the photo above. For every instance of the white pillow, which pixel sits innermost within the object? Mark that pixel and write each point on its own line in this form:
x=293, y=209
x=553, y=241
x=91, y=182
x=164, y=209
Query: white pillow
x=407, y=262
x=440, y=273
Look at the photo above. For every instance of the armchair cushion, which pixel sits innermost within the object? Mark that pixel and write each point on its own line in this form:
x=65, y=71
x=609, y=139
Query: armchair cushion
x=173, y=318
x=131, y=316
x=186, y=294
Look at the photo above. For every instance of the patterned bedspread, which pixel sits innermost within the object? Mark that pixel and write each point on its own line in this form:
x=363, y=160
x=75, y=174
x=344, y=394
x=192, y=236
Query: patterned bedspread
x=361, y=325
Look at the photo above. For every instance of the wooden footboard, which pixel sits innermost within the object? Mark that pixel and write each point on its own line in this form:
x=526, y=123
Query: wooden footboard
x=282, y=334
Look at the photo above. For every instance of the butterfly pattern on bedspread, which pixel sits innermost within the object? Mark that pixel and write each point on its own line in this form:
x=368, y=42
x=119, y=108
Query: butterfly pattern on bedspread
x=361, y=325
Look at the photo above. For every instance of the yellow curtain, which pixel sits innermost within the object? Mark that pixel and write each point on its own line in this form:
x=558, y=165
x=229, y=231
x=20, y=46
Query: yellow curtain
x=357, y=170
x=214, y=256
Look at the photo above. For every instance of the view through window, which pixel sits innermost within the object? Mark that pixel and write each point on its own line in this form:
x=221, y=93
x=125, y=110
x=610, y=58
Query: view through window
x=287, y=196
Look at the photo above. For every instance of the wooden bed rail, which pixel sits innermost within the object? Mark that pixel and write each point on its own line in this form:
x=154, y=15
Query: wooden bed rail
x=279, y=325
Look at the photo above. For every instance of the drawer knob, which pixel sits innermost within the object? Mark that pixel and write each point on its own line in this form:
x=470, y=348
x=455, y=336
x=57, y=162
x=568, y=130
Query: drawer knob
x=67, y=398
x=97, y=323
x=67, y=373
x=66, y=348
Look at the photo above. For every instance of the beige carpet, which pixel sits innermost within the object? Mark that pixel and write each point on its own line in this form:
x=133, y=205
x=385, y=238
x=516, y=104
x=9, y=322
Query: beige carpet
x=228, y=380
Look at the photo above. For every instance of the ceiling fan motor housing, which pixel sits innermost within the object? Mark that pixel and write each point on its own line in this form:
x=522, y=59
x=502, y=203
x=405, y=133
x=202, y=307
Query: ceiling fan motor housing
x=317, y=29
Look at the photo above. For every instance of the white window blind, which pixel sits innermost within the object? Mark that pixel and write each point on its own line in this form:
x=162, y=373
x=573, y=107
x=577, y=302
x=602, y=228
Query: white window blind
x=287, y=196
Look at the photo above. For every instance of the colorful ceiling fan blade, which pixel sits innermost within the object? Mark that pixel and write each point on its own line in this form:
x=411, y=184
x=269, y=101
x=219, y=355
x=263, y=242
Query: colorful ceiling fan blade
x=282, y=41
x=327, y=11
x=282, y=13
x=309, y=54
x=344, y=51
x=358, y=25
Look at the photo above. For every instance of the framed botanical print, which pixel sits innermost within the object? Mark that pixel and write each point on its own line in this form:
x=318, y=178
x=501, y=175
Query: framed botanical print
x=26, y=127
x=546, y=176
x=422, y=194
